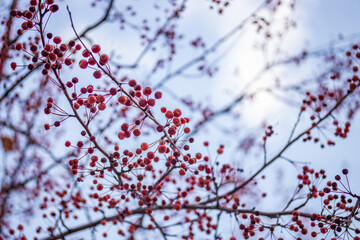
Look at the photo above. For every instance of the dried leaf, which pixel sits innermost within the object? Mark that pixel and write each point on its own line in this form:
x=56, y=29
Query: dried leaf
x=8, y=143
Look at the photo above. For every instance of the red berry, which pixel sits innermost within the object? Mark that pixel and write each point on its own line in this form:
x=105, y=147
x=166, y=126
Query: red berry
x=144, y=146
x=103, y=59
x=169, y=114
x=136, y=132
x=97, y=74
x=162, y=149
x=142, y=102
x=177, y=112
x=151, y=102
x=100, y=98
x=85, y=53
x=96, y=48
x=147, y=91
x=113, y=91
x=68, y=61
x=122, y=99
x=13, y=65
x=33, y=2
x=102, y=106
x=92, y=99
x=159, y=128
x=83, y=64
x=172, y=131
x=78, y=47
x=69, y=84
x=158, y=94
x=92, y=61
x=137, y=87
x=132, y=83
x=57, y=40
x=177, y=207
x=121, y=135
x=18, y=46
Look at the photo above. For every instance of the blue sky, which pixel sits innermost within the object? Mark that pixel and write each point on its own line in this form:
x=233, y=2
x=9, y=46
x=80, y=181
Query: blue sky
x=239, y=59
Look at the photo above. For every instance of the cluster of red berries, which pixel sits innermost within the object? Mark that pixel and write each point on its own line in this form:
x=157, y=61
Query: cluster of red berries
x=29, y=15
x=103, y=60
